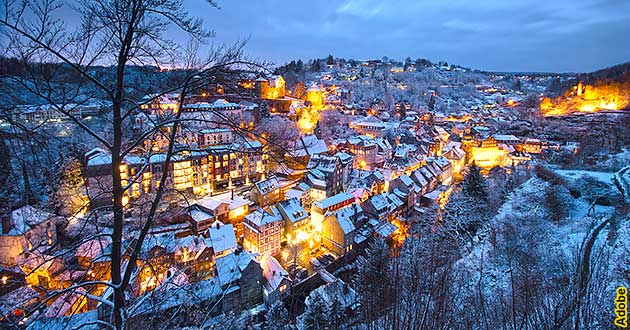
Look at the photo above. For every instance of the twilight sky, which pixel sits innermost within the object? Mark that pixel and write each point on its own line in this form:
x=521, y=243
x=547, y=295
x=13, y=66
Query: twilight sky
x=503, y=35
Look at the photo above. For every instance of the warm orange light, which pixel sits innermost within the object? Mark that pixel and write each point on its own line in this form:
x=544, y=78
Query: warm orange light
x=308, y=118
x=489, y=157
x=588, y=98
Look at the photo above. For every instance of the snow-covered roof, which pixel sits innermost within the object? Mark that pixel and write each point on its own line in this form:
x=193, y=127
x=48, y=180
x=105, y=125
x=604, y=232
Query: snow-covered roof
x=506, y=138
x=338, y=291
x=273, y=272
x=198, y=214
x=27, y=217
x=268, y=185
x=309, y=145
x=406, y=180
x=379, y=202
x=345, y=217
x=219, y=104
x=186, y=295
x=336, y=199
x=292, y=211
x=93, y=248
x=64, y=303
x=385, y=228
x=212, y=202
x=294, y=193
x=326, y=164
x=222, y=236
x=16, y=298
x=193, y=245
x=261, y=217
x=230, y=267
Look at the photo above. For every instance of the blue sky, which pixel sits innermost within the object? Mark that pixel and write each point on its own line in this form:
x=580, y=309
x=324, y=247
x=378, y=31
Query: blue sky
x=504, y=35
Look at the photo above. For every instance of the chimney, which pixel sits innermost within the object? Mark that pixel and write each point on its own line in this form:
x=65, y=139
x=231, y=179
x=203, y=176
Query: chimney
x=6, y=223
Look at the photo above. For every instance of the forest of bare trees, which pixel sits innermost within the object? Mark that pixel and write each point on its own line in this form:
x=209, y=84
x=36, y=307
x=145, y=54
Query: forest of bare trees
x=64, y=68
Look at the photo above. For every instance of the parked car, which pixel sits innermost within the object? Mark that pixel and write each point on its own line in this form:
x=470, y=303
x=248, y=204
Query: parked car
x=329, y=256
x=323, y=260
x=315, y=263
x=301, y=273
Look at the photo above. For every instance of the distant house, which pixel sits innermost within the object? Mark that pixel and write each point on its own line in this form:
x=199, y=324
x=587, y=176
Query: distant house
x=11, y=279
x=377, y=206
x=302, y=192
x=227, y=208
x=195, y=256
x=338, y=229
x=92, y=257
x=41, y=270
x=305, y=147
x=277, y=282
x=370, y=126
x=365, y=150
x=267, y=192
x=68, y=303
x=375, y=182
x=330, y=204
x=405, y=189
x=262, y=232
x=201, y=218
x=215, y=136
x=456, y=155
x=337, y=294
x=26, y=229
x=332, y=169
x=318, y=187
x=222, y=238
x=241, y=278
x=235, y=286
x=295, y=216
x=346, y=164
x=445, y=170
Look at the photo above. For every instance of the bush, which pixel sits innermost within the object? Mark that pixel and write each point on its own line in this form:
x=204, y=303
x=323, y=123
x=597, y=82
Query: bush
x=549, y=175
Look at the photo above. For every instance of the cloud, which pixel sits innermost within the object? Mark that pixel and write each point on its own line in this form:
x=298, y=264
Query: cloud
x=523, y=35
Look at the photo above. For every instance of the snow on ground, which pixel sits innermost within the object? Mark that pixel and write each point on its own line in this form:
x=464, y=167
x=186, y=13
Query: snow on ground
x=524, y=207
x=605, y=177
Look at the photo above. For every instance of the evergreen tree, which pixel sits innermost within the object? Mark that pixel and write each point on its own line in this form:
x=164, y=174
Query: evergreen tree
x=517, y=85
x=371, y=279
x=264, y=110
x=432, y=102
x=403, y=110
x=276, y=317
x=557, y=201
x=330, y=60
x=474, y=184
x=316, y=66
x=315, y=316
x=336, y=314
x=299, y=91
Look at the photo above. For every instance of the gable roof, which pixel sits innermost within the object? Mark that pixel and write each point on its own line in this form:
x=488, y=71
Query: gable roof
x=262, y=217
x=26, y=217
x=268, y=185
x=291, y=210
x=222, y=237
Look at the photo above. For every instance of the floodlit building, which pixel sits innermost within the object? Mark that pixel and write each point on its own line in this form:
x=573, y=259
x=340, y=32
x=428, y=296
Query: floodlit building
x=262, y=232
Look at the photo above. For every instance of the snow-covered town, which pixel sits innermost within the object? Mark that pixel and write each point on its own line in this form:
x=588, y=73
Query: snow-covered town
x=329, y=193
